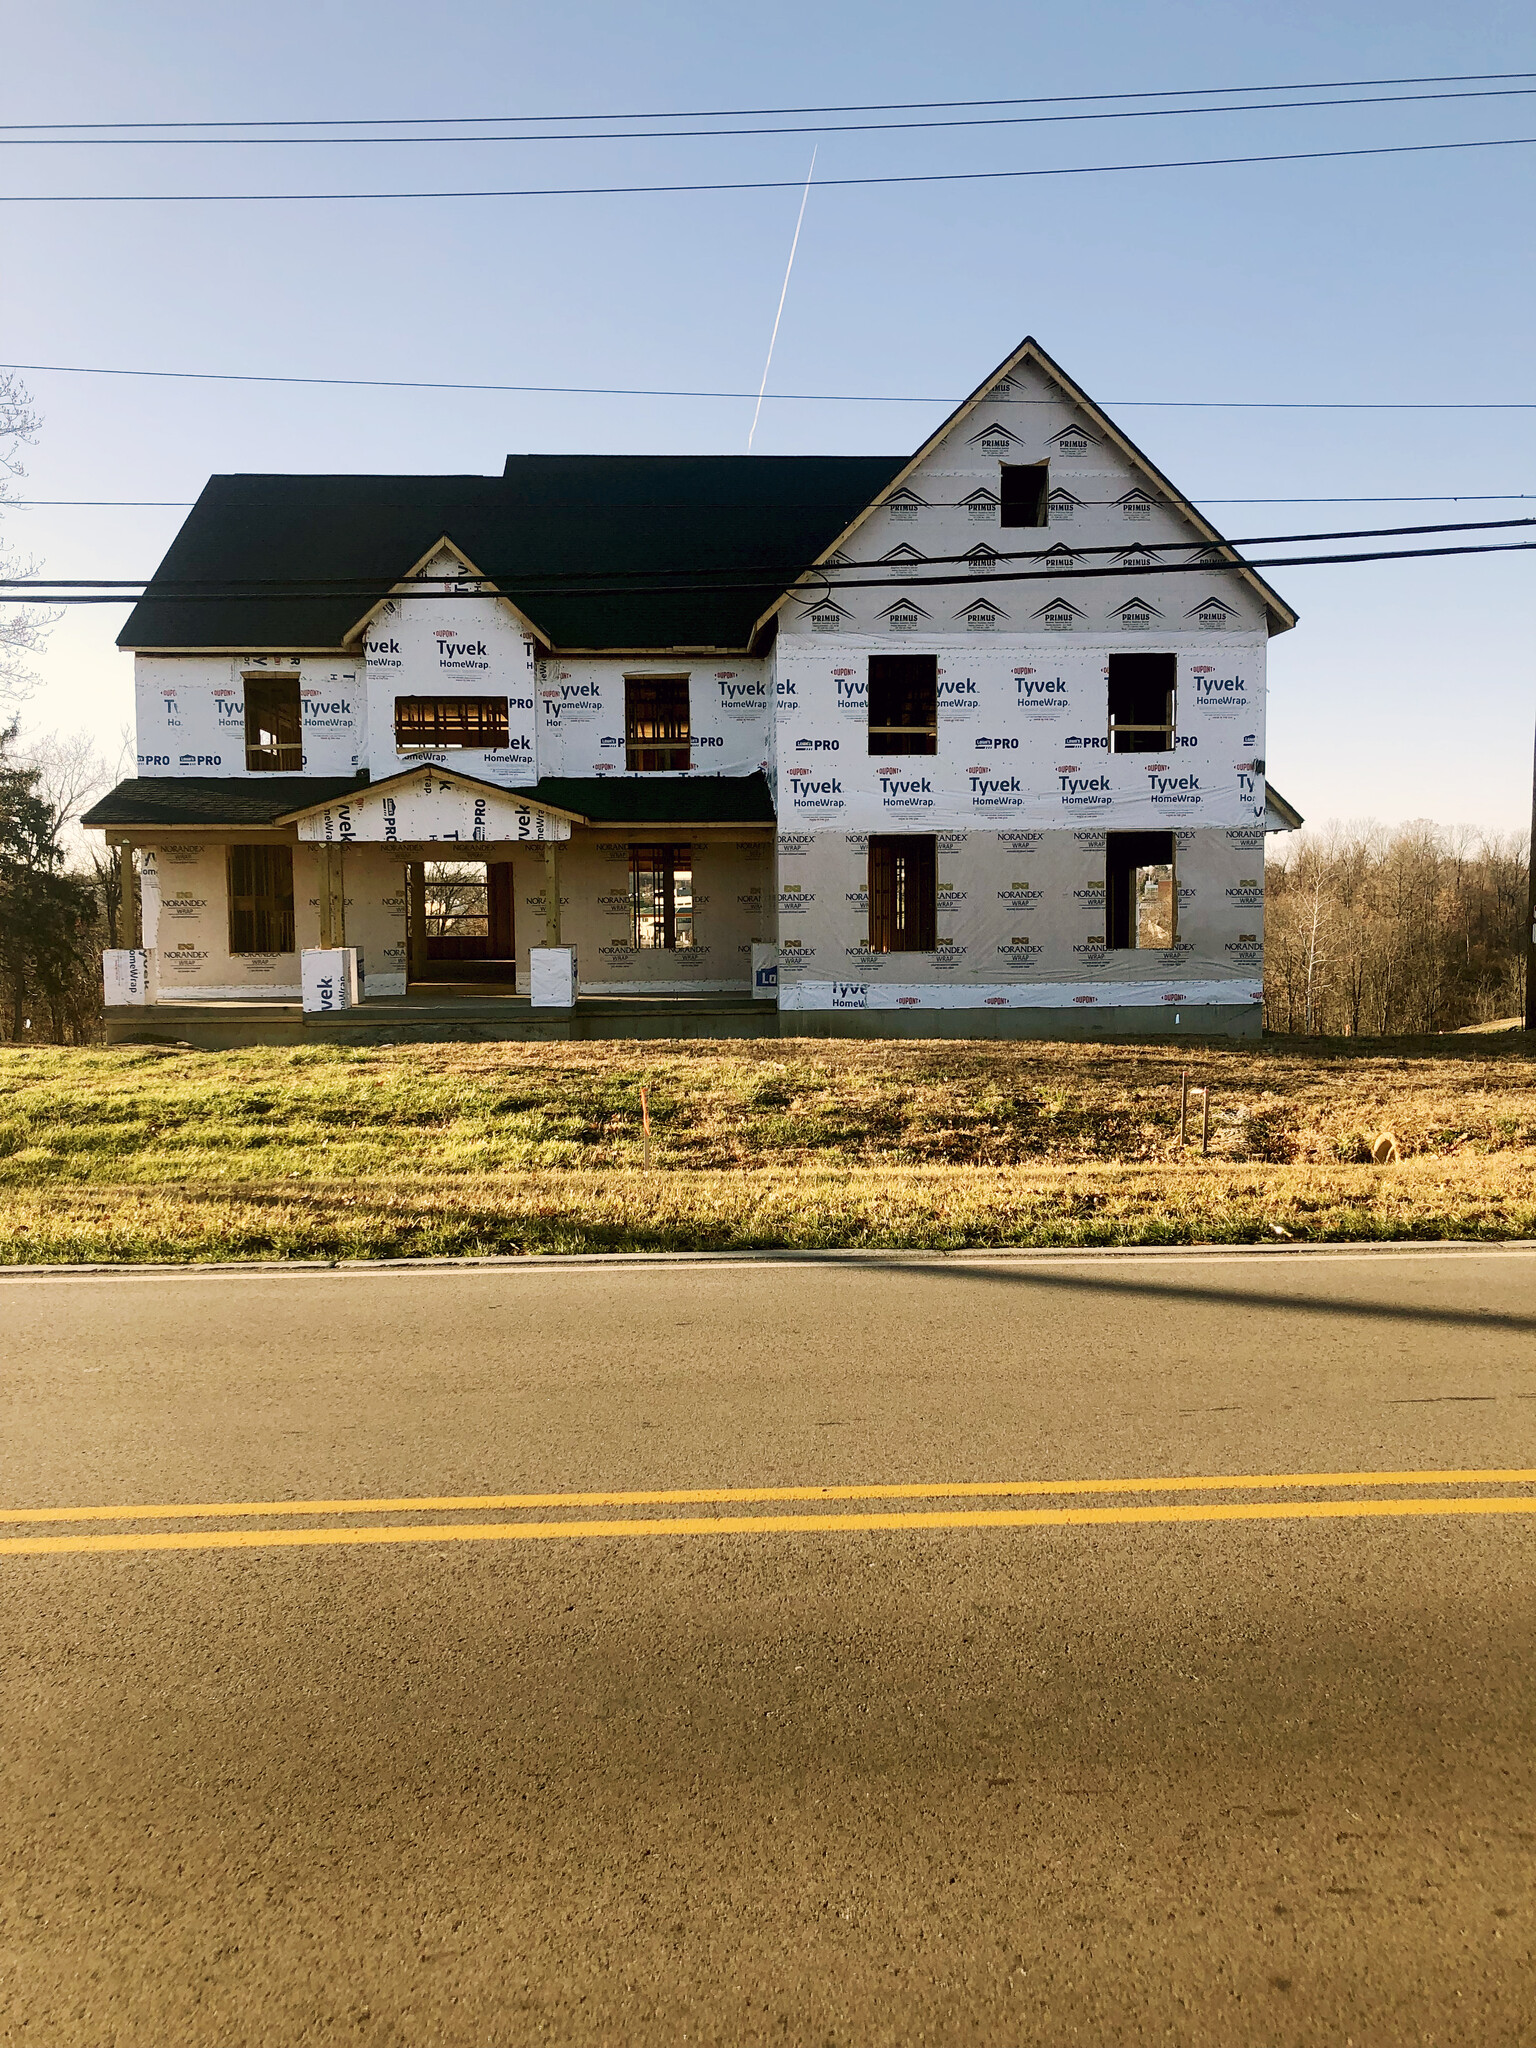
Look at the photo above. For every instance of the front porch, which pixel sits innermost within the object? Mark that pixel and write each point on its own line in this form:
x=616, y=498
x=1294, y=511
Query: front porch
x=438, y=1012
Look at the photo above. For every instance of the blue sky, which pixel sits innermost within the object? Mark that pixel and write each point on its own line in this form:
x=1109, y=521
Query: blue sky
x=1405, y=692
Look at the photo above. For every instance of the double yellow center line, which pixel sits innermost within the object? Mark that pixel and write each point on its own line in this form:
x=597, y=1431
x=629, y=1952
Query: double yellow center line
x=567, y=1523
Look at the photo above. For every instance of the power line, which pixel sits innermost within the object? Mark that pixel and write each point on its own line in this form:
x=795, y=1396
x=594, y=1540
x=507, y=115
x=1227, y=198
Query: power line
x=1443, y=498
x=782, y=397
x=776, y=584
x=349, y=586
x=1408, y=99
x=1201, y=163
x=743, y=113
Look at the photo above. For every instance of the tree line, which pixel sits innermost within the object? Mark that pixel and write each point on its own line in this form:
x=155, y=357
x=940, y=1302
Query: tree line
x=1371, y=933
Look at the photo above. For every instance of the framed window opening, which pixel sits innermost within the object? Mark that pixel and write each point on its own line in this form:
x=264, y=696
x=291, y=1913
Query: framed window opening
x=441, y=724
x=660, y=898
x=1026, y=488
x=657, y=731
x=1142, y=692
x=1141, y=895
x=903, y=892
x=274, y=724
x=260, y=880
x=903, y=703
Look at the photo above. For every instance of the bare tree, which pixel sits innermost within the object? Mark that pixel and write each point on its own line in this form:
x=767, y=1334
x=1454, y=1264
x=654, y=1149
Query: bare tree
x=24, y=628
x=1368, y=931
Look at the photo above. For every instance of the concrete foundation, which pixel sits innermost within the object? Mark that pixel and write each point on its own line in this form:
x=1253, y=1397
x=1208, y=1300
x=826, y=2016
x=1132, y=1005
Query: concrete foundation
x=469, y=1015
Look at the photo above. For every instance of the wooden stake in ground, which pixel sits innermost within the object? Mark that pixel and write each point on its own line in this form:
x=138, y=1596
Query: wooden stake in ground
x=1184, y=1107
x=1205, y=1119
x=645, y=1125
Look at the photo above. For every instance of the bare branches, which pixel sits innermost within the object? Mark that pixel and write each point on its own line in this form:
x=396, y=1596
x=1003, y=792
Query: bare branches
x=24, y=629
x=1370, y=933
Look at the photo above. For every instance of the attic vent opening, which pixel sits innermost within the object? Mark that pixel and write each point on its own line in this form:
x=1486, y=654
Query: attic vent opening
x=1025, y=489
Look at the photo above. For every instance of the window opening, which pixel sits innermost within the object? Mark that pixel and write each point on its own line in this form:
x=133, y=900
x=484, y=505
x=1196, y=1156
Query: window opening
x=660, y=897
x=1141, y=905
x=656, y=728
x=903, y=703
x=1025, y=488
x=261, y=899
x=438, y=724
x=903, y=893
x=1141, y=699
x=274, y=735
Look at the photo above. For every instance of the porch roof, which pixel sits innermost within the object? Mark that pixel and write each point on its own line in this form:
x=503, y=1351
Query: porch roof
x=180, y=801
x=213, y=799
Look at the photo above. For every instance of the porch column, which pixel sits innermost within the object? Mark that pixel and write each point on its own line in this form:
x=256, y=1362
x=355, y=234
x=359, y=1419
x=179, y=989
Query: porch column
x=551, y=892
x=333, y=901
x=416, y=942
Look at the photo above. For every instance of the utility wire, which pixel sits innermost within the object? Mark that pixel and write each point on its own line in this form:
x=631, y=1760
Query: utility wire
x=780, y=573
x=1444, y=498
x=781, y=397
x=743, y=113
x=777, y=584
x=1401, y=99
x=1199, y=163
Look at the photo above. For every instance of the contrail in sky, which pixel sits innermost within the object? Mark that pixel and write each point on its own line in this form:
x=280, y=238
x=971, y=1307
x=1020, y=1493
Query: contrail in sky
x=794, y=245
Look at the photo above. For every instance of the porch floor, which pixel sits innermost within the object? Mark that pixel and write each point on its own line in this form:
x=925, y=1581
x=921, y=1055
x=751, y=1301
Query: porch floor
x=441, y=1011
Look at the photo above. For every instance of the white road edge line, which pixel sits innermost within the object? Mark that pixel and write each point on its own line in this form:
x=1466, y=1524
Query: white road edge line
x=717, y=1262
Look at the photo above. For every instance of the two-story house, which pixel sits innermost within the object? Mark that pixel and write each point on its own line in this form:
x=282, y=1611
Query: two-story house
x=975, y=734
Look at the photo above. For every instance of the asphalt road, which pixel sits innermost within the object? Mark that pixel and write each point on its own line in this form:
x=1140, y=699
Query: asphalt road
x=1173, y=1775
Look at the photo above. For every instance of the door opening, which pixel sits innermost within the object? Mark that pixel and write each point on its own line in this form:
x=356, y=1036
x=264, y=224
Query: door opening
x=464, y=914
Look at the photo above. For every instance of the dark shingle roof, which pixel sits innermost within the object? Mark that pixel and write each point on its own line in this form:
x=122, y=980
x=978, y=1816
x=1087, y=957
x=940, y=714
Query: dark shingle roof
x=660, y=800
x=192, y=800
x=564, y=516
x=213, y=799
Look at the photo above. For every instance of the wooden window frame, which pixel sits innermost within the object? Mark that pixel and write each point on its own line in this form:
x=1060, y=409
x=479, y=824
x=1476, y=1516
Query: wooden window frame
x=1142, y=736
x=658, y=737
x=1127, y=854
x=283, y=752
x=260, y=887
x=903, y=892
x=441, y=725
x=895, y=682
x=658, y=924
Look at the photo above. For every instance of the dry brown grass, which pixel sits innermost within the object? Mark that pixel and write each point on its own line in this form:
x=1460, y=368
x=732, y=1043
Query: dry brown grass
x=135, y=1153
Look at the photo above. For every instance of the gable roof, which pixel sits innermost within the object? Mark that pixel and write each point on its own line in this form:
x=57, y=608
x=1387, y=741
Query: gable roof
x=557, y=520
x=1030, y=351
